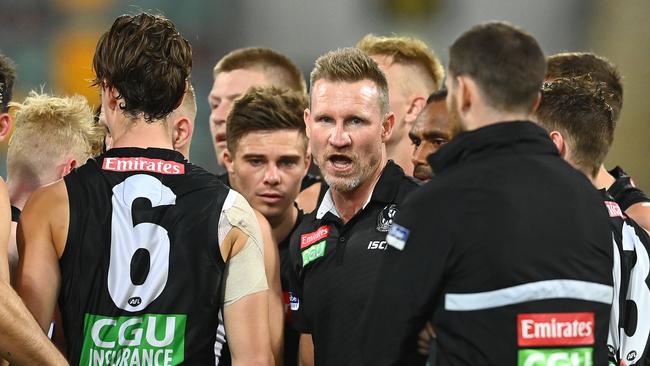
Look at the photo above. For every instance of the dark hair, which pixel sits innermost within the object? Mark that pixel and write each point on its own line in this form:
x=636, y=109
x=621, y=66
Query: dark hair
x=506, y=63
x=577, y=108
x=437, y=96
x=147, y=61
x=351, y=65
x=7, y=78
x=277, y=66
x=265, y=109
x=571, y=64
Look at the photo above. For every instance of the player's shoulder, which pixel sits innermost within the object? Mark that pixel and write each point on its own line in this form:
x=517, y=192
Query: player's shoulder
x=49, y=198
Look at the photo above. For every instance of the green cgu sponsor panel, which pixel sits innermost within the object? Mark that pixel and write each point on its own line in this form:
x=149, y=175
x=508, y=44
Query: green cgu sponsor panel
x=581, y=356
x=149, y=339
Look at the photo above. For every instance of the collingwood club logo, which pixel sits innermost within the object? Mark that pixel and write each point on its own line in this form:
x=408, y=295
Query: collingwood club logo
x=385, y=218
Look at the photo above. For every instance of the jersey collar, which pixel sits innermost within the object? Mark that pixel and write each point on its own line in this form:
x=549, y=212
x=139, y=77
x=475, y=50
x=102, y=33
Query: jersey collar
x=384, y=191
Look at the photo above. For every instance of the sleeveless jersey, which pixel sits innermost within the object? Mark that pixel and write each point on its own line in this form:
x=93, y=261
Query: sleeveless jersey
x=141, y=273
x=629, y=331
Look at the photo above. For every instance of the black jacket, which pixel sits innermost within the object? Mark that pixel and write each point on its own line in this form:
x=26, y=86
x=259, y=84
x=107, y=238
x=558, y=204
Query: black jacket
x=505, y=244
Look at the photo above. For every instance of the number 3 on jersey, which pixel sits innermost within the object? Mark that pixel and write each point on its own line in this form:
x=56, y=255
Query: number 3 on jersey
x=127, y=239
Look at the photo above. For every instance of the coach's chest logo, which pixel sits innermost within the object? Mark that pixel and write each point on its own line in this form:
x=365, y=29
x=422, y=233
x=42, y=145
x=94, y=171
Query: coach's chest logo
x=385, y=217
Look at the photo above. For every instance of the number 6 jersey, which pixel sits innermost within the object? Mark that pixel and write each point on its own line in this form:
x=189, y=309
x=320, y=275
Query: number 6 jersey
x=141, y=274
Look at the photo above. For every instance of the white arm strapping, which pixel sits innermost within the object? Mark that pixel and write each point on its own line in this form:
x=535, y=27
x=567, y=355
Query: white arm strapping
x=245, y=272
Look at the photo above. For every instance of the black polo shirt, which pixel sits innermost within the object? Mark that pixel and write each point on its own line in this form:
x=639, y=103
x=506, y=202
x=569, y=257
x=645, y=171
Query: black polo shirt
x=336, y=265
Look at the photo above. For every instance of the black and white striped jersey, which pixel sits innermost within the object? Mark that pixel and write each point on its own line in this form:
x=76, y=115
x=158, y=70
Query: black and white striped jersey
x=141, y=274
x=629, y=334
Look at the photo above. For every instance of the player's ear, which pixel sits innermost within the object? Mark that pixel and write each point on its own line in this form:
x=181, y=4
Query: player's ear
x=466, y=93
x=558, y=140
x=67, y=167
x=387, y=126
x=181, y=133
x=113, y=98
x=416, y=105
x=5, y=125
x=228, y=162
x=306, y=117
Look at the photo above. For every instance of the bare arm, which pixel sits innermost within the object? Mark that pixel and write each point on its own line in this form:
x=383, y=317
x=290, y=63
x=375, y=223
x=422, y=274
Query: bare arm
x=640, y=212
x=43, y=225
x=276, y=307
x=306, y=352
x=246, y=300
x=21, y=340
x=5, y=229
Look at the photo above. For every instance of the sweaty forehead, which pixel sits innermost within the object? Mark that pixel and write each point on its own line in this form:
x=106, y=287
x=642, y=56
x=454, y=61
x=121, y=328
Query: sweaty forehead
x=433, y=116
x=340, y=94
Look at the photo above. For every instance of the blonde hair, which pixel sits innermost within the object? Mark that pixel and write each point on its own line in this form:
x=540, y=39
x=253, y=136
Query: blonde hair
x=351, y=65
x=407, y=51
x=277, y=67
x=49, y=129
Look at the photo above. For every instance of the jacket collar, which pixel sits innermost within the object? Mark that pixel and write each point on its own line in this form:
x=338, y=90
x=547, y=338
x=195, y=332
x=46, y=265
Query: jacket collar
x=515, y=137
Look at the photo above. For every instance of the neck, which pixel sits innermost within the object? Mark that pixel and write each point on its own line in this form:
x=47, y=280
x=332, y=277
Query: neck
x=282, y=226
x=19, y=191
x=400, y=153
x=139, y=133
x=349, y=203
x=602, y=180
x=485, y=116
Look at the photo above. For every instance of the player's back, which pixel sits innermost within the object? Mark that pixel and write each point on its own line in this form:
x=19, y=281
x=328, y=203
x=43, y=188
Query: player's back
x=141, y=273
x=529, y=274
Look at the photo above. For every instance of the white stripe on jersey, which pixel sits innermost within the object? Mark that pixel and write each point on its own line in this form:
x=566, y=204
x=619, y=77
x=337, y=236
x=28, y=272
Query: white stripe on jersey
x=220, y=341
x=533, y=291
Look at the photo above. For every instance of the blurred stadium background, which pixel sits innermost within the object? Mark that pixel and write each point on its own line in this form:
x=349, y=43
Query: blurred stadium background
x=52, y=43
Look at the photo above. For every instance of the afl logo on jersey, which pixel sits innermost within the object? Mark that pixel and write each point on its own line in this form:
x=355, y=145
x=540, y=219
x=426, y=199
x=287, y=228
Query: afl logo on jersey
x=385, y=218
x=135, y=301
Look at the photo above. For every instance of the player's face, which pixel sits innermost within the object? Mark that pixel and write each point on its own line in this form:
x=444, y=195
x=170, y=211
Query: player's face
x=267, y=170
x=347, y=131
x=430, y=131
x=227, y=87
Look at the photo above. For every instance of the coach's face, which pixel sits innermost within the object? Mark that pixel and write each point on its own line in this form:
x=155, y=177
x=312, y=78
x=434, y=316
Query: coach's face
x=347, y=131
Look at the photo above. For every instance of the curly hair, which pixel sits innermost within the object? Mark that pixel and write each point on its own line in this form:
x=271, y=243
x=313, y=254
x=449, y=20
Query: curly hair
x=7, y=78
x=147, y=61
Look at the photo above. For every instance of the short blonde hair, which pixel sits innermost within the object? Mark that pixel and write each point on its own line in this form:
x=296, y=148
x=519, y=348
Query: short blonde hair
x=351, y=65
x=406, y=51
x=49, y=129
x=277, y=67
